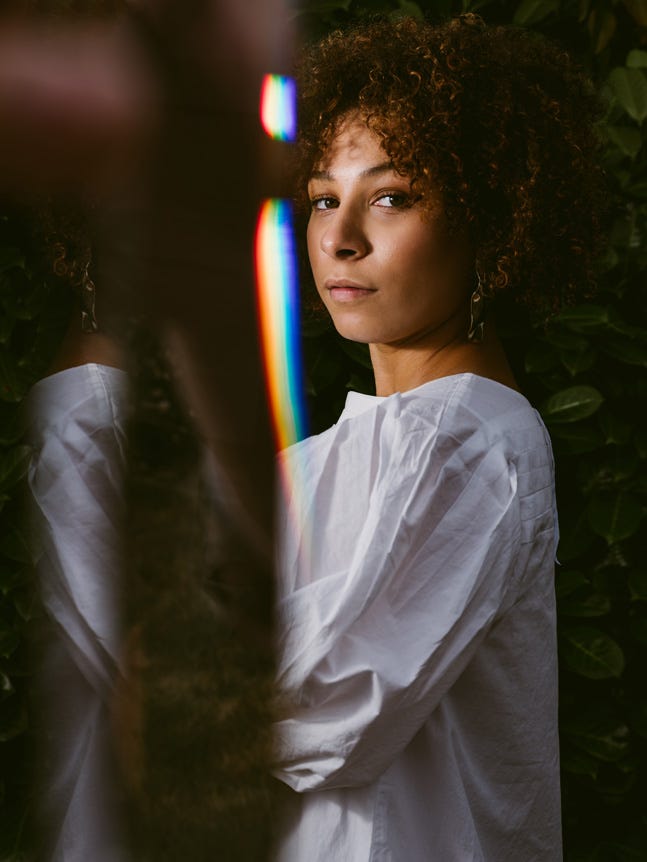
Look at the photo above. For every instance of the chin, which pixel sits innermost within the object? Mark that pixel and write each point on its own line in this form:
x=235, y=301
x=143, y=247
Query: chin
x=352, y=333
x=353, y=330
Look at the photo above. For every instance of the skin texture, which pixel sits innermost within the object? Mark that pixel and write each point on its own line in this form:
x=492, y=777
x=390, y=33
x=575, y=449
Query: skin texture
x=79, y=348
x=389, y=272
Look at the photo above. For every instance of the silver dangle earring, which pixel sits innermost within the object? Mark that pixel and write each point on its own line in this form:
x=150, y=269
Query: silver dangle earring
x=477, y=313
x=87, y=297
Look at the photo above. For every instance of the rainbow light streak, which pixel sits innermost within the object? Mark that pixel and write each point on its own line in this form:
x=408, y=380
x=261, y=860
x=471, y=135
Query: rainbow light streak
x=278, y=107
x=277, y=293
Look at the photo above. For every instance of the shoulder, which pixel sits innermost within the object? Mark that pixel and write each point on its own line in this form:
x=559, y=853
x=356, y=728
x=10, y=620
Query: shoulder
x=93, y=396
x=467, y=405
x=461, y=415
x=477, y=424
x=451, y=413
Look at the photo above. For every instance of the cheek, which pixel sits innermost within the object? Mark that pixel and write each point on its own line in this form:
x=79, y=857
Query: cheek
x=312, y=244
x=314, y=258
x=432, y=250
x=420, y=259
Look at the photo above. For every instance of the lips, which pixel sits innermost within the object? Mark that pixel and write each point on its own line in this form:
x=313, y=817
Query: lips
x=343, y=290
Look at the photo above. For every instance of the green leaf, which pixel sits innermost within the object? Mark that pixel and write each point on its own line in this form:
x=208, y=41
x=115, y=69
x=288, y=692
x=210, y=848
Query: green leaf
x=638, y=11
x=530, y=12
x=16, y=547
x=638, y=584
x=410, y=9
x=541, y=357
x=640, y=442
x=14, y=384
x=10, y=258
x=12, y=425
x=10, y=577
x=13, y=466
x=585, y=318
x=572, y=404
x=9, y=640
x=6, y=688
x=594, y=605
x=591, y=653
x=574, y=540
x=637, y=59
x=358, y=353
x=616, y=430
x=627, y=140
x=25, y=604
x=580, y=438
x=629, y=86
x=578, y=763
x=614, y=516
x=602, y=25
x=629, y=352
x=566, y=340
x=577, y=362
x=6, y=328
x=639, y=719
x=604, y=738
x=13, y=722
x=567, y=581
x=609, y=259
x=637, y=189
x=623, y=464
x=638, y=629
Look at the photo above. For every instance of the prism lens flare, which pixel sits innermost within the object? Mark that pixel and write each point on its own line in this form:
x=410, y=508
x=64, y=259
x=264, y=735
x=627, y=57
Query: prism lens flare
x=278, y=310
x=278, y=107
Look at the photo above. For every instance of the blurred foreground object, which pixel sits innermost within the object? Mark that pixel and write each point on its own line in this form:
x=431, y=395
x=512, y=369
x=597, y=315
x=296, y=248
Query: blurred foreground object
x=156, y=116
x=86, y=89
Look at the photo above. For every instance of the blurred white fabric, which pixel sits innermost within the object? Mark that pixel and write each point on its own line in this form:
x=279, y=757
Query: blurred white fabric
x=78, y=419
x=417, y=632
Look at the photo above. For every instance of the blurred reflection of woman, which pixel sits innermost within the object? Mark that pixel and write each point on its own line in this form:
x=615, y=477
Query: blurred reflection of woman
x=78, y=416
x=445, y=167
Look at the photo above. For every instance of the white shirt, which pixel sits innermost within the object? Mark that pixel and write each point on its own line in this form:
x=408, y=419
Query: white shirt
x=78, y=419
x=417, y=632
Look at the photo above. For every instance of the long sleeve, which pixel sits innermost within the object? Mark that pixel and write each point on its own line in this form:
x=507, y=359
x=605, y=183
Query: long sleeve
x=78, y=436
x=398, y=562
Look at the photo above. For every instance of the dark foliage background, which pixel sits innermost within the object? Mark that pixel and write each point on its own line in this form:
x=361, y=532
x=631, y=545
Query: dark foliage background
x=33, y=315
x=585, y=371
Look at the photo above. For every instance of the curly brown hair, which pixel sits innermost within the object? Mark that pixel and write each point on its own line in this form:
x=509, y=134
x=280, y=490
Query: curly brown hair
x=497, y=119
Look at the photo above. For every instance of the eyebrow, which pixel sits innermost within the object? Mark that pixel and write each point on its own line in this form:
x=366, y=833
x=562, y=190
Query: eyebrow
x=384, y=168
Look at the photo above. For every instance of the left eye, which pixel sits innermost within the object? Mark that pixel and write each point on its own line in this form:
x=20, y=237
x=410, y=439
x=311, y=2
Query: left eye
x=391, y=199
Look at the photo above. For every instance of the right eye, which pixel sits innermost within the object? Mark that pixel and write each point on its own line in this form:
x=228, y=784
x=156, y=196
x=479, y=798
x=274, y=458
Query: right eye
x=324, y=202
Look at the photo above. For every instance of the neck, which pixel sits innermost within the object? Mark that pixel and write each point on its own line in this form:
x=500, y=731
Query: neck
x=399, y=368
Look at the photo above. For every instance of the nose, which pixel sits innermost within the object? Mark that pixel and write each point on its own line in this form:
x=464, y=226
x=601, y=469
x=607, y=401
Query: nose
x=344, y=236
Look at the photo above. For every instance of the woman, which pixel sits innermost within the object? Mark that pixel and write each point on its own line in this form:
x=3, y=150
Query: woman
x=445, y=167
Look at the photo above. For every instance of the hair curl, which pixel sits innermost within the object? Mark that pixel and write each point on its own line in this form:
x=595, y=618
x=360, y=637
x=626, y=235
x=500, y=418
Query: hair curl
x=496, y=119
x=63, y=239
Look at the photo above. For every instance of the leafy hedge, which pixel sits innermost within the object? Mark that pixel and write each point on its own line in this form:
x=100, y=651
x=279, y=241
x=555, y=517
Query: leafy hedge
x=585, y=371
x=33, y=314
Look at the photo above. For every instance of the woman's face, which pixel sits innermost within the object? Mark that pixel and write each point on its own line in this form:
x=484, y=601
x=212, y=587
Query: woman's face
x=386, y=273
